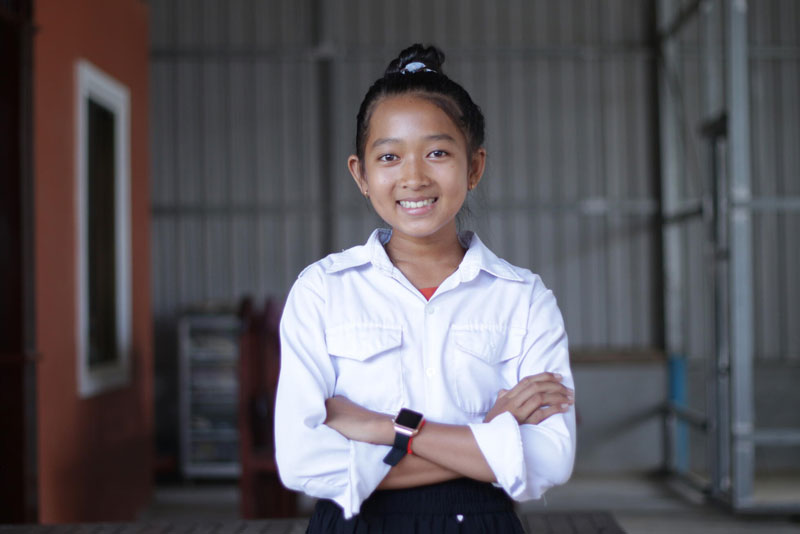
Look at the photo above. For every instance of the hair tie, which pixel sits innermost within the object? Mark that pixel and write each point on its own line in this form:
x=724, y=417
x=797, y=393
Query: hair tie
x=415, y=66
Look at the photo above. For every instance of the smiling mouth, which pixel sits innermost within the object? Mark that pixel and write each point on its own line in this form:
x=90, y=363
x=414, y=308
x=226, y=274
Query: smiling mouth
x=416, y=204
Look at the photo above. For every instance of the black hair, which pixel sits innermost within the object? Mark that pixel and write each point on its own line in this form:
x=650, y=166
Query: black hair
x=418, y=70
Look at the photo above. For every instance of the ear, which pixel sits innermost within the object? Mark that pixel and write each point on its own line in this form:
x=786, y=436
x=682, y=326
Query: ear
x=355, y=167
x=477, y=165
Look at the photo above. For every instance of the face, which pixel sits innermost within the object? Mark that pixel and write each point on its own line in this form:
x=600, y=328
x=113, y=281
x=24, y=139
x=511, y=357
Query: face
x=417, y=168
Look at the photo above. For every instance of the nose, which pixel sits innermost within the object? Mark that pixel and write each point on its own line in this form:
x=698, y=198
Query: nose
x=415, y=176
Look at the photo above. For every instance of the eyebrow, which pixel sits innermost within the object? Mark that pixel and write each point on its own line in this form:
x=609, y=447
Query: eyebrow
x=433, y=137
x=440, y=137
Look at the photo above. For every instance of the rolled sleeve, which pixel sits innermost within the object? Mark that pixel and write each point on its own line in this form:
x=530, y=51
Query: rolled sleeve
x=529, y=459
x=549, y=450
x=500, y=442
x=311, y=456
x=367, y=470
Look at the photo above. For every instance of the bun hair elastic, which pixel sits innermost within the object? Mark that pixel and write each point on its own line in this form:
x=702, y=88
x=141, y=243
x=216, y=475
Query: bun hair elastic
x=415, y=66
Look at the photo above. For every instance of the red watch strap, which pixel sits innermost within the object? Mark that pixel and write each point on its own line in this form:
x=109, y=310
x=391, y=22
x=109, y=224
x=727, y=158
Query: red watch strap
x=412, y=437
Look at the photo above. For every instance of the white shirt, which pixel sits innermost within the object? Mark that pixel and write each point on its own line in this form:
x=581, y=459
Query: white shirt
x=353, y=325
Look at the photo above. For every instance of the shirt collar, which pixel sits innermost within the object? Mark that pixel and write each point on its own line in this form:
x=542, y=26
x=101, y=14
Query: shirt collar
x=480, y=258
x=371, y=251
x=477, y=258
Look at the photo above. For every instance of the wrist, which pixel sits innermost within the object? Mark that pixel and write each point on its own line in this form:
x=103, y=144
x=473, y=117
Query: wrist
x=411, y=439
x=383, y=429
x=406, y=425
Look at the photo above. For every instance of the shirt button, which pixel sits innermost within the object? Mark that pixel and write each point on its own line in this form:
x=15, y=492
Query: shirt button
x=430, y=371
x=430, y=310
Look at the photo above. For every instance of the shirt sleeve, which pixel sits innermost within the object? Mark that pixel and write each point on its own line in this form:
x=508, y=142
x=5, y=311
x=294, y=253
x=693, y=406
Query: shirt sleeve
x=528, y=459
x=312, y=457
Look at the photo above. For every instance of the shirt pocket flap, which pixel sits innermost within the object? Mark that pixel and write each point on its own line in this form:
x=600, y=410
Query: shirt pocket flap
x=490, y=344
x=362, y=341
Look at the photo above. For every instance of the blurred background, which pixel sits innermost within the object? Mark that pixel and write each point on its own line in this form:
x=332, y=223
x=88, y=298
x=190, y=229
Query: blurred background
x=170, y=166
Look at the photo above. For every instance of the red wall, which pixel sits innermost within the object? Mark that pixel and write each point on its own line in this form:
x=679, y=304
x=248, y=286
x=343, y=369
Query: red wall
x=95, y=454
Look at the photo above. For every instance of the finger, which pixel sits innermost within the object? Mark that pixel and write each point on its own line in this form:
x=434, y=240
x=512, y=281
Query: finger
x=523, y=386
x=526, y=388
x=543, y=413
x=540, y=378
x=527, y=408
x=540, y=400
x=546, y=377
x=502, y=393
x=559, y=399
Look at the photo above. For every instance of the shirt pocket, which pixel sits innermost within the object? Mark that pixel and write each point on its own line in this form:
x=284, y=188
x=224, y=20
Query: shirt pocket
x=367, y=361
x=480, y=354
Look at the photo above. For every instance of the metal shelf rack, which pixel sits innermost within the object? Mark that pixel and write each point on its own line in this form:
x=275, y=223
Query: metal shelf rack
x=209, y=394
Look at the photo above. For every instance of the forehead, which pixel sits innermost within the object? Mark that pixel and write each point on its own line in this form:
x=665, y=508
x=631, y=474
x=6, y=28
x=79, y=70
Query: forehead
x=406, y=117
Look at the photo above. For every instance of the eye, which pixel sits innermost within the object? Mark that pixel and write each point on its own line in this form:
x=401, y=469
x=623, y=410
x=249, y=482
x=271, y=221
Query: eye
x=387, y=157
x=438, y=154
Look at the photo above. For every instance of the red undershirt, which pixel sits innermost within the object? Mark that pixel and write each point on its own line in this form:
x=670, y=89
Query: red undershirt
x=428, y=292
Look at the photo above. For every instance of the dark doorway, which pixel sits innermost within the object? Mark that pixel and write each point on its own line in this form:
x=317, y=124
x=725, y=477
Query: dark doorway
x=18, y=489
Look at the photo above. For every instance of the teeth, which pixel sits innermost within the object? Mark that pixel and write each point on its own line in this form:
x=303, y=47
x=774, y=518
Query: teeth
x=419, y=204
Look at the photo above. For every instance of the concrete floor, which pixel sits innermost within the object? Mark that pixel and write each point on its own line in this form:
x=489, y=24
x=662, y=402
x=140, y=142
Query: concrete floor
x=641, y=505
x=644, y=505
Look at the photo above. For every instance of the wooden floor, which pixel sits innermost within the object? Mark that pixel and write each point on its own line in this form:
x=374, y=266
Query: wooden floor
x=551, y=522
x=287, y=526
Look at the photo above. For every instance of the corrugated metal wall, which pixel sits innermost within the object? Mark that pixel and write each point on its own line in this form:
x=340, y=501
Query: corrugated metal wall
x=253, y=116
x=774, y=42
x=254, y=107
x=775, y=120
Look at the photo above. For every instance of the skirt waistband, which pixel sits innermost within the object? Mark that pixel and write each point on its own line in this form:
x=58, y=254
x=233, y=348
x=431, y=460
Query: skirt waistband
x=451, y=497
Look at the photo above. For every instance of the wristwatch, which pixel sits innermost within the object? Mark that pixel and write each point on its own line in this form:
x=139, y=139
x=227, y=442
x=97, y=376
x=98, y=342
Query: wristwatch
x=407, y=424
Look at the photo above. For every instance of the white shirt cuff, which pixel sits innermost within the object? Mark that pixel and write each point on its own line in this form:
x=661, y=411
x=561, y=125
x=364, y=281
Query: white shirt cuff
x=501, y=444
x=366, y=472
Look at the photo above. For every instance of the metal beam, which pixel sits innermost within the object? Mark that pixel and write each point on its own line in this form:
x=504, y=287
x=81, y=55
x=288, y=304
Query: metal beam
x=693, y=417
x=672, y=158
x=684, y=210
x=338, y=52
x=672, y=164
x=769, y=204
x=693, y=480
x=673, y=26
x=776, y=437
x=713, y=127
x=741, y=256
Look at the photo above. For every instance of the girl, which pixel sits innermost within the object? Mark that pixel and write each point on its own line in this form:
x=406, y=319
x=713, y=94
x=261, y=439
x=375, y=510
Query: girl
x=425, y=382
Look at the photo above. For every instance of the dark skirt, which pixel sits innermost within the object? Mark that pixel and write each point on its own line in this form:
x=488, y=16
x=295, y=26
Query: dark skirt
x=456, y=506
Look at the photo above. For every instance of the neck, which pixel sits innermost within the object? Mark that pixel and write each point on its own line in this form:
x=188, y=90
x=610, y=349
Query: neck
x=426, y=262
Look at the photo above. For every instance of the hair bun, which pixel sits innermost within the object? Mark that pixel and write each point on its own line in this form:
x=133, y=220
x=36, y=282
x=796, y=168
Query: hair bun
x=421, y=58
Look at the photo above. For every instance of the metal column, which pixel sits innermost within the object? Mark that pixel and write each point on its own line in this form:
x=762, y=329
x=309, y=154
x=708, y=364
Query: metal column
x=714, y=129
x=713, y=208
x=741, y=267
x=672, y=163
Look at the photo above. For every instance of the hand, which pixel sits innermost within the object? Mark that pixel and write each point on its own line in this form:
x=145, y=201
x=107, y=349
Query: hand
x=533, y=399
x=355, y=422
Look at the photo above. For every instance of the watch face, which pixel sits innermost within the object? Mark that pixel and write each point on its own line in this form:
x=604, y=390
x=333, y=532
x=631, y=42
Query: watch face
x=408, y=418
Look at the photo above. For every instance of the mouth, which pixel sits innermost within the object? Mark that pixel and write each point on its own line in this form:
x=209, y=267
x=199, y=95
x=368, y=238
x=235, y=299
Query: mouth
x=413, y=204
